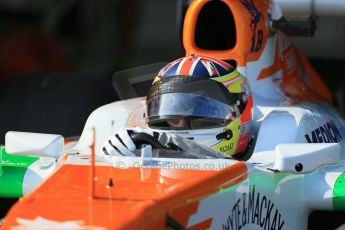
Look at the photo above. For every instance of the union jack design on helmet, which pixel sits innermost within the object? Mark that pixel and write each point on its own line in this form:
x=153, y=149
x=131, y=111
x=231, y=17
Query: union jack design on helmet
x=195, y=65
x=203, y=99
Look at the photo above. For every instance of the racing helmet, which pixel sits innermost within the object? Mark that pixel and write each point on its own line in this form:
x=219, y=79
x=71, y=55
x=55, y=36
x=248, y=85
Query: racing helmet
x=203, y=99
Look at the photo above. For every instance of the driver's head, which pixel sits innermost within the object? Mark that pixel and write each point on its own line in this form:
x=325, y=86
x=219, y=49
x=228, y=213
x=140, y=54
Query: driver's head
x=177, y=123
x=203, y=99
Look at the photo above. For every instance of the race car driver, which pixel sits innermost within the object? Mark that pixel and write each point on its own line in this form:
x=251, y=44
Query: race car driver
x=198, y=100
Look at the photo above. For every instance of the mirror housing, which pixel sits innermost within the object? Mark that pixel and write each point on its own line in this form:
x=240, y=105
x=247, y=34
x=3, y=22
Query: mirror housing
x=34, y=144
x=304, y=158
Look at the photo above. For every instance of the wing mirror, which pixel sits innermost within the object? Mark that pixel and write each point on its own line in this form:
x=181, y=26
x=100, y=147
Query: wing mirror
x=304, y=158
x=34, y=144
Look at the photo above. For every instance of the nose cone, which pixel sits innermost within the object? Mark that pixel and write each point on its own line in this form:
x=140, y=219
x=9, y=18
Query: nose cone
x=130, y=198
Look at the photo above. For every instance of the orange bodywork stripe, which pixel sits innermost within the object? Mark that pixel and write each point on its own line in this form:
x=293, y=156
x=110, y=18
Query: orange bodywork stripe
x=292, y=83
x=269, y=71
x=187, y=201
x=314, y=89
x=316, y=82
x=133, y=202
x=182, y=214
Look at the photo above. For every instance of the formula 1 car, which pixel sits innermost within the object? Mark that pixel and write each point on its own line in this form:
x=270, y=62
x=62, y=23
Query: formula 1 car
x=292, y=177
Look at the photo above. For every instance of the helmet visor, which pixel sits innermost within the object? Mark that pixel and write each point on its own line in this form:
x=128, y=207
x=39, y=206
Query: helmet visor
x=187, y=111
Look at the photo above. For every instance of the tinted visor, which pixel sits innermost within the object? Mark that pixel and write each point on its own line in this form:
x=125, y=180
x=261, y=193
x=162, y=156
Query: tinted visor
x=188, y=111
x=196, y=85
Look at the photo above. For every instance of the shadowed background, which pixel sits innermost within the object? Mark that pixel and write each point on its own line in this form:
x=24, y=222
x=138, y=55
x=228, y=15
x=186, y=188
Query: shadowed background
x=57, y=58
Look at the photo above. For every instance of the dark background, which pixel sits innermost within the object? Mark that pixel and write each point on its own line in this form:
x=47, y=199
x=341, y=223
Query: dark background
x=57, y=58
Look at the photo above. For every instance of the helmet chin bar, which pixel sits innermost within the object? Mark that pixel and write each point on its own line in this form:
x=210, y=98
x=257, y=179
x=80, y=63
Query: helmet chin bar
x=207, y=137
